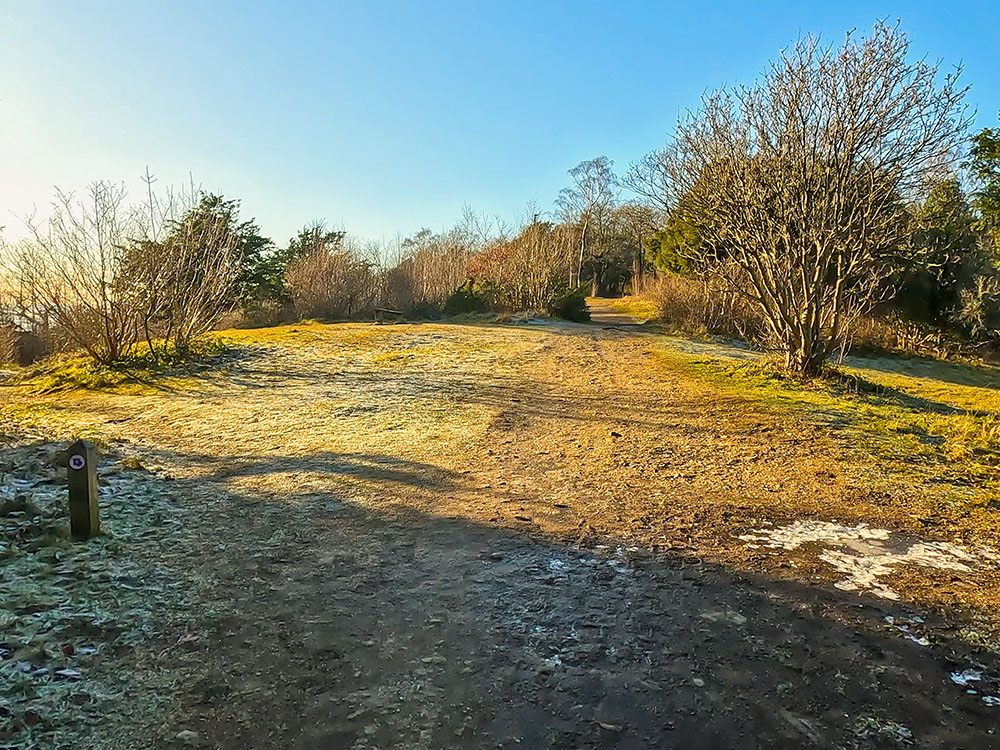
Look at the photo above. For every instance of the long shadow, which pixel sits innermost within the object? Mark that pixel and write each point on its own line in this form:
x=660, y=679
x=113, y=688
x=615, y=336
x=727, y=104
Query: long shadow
x=956, y=373
x=339, y=625
x=362, y=466
x=891, y=394
x=543, y=399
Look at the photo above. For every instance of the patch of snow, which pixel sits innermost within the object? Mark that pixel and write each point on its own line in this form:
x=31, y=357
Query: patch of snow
x=866, y=554
x=798, y=533
x=966, y=676
x=556, y=565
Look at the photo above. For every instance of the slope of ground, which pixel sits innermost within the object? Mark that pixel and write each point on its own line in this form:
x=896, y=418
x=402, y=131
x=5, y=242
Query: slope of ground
x=544, y=536
x=621, y=310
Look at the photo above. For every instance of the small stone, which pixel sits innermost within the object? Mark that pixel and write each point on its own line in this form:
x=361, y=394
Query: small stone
x=615, y=434
x=132, y=462
x=187, y=737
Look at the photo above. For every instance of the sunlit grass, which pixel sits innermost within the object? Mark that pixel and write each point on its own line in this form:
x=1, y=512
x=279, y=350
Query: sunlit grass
x=134, y=373
x=894, y=410
x=638, y=307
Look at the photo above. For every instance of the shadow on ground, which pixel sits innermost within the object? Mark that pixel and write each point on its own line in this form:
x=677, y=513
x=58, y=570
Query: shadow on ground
x=340, y=627
x=957, y=373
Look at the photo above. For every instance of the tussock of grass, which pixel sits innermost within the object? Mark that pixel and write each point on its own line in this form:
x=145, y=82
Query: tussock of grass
x=60, y=374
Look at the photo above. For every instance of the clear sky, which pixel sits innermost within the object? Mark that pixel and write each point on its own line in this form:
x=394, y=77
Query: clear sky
x=384, y=117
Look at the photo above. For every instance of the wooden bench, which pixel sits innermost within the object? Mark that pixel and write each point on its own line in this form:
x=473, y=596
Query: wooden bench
x=382, y=313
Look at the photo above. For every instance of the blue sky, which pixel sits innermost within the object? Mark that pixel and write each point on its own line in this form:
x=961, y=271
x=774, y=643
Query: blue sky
x=384, y=117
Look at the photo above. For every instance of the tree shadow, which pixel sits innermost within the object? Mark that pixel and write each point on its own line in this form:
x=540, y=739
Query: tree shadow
x=545, y=399
x=360, y=466
x=956, y=373
x=880, y=392
x=339, y=623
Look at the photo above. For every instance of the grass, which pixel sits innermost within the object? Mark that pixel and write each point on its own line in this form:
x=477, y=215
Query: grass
x=638, y=307
x=932, y=420
x=139, y=368
x=488, y=421
x=909, y=415
x=312, y=388
x=69, y=610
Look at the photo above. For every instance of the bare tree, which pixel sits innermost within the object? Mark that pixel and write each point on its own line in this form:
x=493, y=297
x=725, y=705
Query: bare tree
x=430, y=266
x=203, y=265
x=76, y=267
x=528, y=270
x=801, y=180
x=634, y=222
x=107, y=275
x=332, y=279
x=589, y=203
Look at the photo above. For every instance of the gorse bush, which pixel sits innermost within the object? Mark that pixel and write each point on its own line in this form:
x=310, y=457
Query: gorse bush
x=570, y=305
x=472, y=297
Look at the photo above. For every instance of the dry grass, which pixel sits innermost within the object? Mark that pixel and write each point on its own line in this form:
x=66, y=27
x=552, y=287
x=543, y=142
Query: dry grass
x=9, y=344
x=278, y=482
x=698, y=307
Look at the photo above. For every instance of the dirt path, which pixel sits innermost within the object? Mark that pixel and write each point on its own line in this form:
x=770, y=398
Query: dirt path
x=450, y=536
x=603, y=312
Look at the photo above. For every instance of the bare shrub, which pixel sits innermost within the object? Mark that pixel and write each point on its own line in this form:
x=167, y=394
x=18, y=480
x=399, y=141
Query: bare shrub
x=183, y=284
x=705, y=305
x=531, y=269
x=894, y=333
x=800, y=181
x=21, y=308
x=423, y=270
x=429, y=267
x=101, y=275
x=331, y=283
x=76, y=270
x=10, y=349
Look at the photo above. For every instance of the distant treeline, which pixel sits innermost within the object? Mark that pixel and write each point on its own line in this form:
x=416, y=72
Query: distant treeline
x=839, y=197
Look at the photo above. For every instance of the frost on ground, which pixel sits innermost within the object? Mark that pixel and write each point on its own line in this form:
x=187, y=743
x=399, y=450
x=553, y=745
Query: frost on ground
x=69, y=610
x=867, y=555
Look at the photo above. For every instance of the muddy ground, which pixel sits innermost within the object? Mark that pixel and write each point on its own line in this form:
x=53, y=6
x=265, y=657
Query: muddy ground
x=507, y=536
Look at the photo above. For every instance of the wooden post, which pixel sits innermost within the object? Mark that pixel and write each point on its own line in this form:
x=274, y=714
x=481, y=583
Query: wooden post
x=81, y=465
